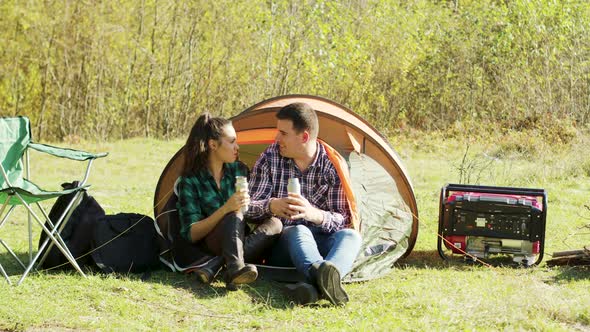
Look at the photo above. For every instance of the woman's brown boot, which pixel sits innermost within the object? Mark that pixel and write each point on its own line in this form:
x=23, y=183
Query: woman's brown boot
x=236, y=271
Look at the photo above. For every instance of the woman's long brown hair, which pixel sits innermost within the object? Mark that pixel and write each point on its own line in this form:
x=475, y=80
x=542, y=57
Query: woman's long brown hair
x=197, y=148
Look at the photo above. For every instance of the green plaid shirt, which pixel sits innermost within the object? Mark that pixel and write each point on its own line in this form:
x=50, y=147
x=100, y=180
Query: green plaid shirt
x=199, y=197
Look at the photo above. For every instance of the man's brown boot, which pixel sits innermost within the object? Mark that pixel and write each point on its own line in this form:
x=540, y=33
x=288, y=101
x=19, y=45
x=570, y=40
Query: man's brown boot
x=327, y=278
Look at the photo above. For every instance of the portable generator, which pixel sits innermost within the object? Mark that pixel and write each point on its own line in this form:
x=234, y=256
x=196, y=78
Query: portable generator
x=479, y=221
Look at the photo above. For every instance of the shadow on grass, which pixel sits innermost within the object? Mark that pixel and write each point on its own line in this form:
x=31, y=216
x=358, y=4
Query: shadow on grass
x=572, y=273
x=15, y=271
x=269, y=293
x=422, y=259
x=11, y=266
x=430, y=259
x=263, y=291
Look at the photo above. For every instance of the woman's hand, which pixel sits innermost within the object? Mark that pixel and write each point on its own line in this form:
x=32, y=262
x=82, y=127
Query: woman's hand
x=236, y=201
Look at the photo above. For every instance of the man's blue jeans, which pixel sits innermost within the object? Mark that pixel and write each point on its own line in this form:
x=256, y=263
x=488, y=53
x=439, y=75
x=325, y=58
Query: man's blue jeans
x=302, y=246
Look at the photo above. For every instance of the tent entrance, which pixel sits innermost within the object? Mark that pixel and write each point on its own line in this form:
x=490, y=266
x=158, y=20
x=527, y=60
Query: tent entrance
x=253, y=142
x=385, y=218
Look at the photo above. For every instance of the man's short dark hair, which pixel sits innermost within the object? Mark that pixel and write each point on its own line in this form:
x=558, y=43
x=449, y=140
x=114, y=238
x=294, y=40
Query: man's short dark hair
x=303, y=117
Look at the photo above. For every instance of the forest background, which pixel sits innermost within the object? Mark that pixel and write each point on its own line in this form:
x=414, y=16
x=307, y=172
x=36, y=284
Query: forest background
x=107, y=70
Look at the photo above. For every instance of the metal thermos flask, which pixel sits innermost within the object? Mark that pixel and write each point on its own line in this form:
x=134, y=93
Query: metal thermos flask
x=293, y=186
x=242, y=185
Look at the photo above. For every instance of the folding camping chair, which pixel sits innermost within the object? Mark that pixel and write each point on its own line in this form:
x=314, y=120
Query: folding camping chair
x=17, y=189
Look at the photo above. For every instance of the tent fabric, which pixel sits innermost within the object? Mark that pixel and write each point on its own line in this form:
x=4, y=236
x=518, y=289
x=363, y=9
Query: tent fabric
x=386, y=220
x=342, y=169
x=385, y=198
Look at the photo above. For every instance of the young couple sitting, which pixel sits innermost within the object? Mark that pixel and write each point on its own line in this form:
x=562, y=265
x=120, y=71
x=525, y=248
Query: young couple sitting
x=310, y=230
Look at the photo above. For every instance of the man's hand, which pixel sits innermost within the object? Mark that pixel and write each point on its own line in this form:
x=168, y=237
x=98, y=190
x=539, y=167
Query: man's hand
x=300, y=208
x=280, y=207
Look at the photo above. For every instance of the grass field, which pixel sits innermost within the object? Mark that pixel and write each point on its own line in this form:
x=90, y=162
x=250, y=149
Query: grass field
x=421, y=293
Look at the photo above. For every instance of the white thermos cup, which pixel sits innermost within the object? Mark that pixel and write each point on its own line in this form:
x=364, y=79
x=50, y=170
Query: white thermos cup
x=293, y=186
x=242, y=185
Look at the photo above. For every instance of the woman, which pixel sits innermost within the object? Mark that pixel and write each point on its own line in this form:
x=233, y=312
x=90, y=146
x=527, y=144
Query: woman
x=209, y=206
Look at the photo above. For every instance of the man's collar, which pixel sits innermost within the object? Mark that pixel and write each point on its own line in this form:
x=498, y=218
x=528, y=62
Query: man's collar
x=319, y=149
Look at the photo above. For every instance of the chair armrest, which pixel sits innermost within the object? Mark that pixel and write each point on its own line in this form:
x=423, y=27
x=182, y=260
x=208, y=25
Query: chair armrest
x=66, y=153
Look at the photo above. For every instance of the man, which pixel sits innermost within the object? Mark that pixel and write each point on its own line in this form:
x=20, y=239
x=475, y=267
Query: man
x=316, y=238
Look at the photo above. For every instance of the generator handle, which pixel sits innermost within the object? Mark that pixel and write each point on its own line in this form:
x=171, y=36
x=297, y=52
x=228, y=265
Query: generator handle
x=450, y=187
x=439, y=237
x=543, y=226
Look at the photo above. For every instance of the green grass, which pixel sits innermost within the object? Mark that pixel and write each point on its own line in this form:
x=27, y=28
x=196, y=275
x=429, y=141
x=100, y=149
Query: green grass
x=421, y=293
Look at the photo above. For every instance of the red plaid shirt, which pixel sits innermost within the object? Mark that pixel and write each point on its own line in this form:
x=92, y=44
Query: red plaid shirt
x=320, y=185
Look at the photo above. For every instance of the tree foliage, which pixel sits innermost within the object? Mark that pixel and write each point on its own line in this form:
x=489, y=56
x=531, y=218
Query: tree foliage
x=109, y=70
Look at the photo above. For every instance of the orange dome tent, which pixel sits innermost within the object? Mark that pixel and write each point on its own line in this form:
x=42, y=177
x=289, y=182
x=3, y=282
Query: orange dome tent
x=385, y=199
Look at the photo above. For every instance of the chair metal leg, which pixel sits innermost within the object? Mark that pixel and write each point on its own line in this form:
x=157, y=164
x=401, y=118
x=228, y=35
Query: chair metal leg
x=64, y=250
x=4, y=243
x=56, y=229
x=59, y=226
x=7, y=215
x=3, y=208
x=57, y=243
x=29, y=222
x=30, y=226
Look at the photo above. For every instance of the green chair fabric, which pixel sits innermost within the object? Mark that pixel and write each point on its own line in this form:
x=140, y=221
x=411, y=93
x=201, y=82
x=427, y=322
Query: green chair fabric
x=16, y=189
x=15, y=138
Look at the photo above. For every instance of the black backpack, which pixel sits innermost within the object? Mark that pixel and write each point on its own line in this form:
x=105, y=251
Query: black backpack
x=125, y=242
x=77, y=232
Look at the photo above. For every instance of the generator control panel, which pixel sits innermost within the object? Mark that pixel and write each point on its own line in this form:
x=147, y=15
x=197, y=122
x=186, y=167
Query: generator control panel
x=484, y=215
